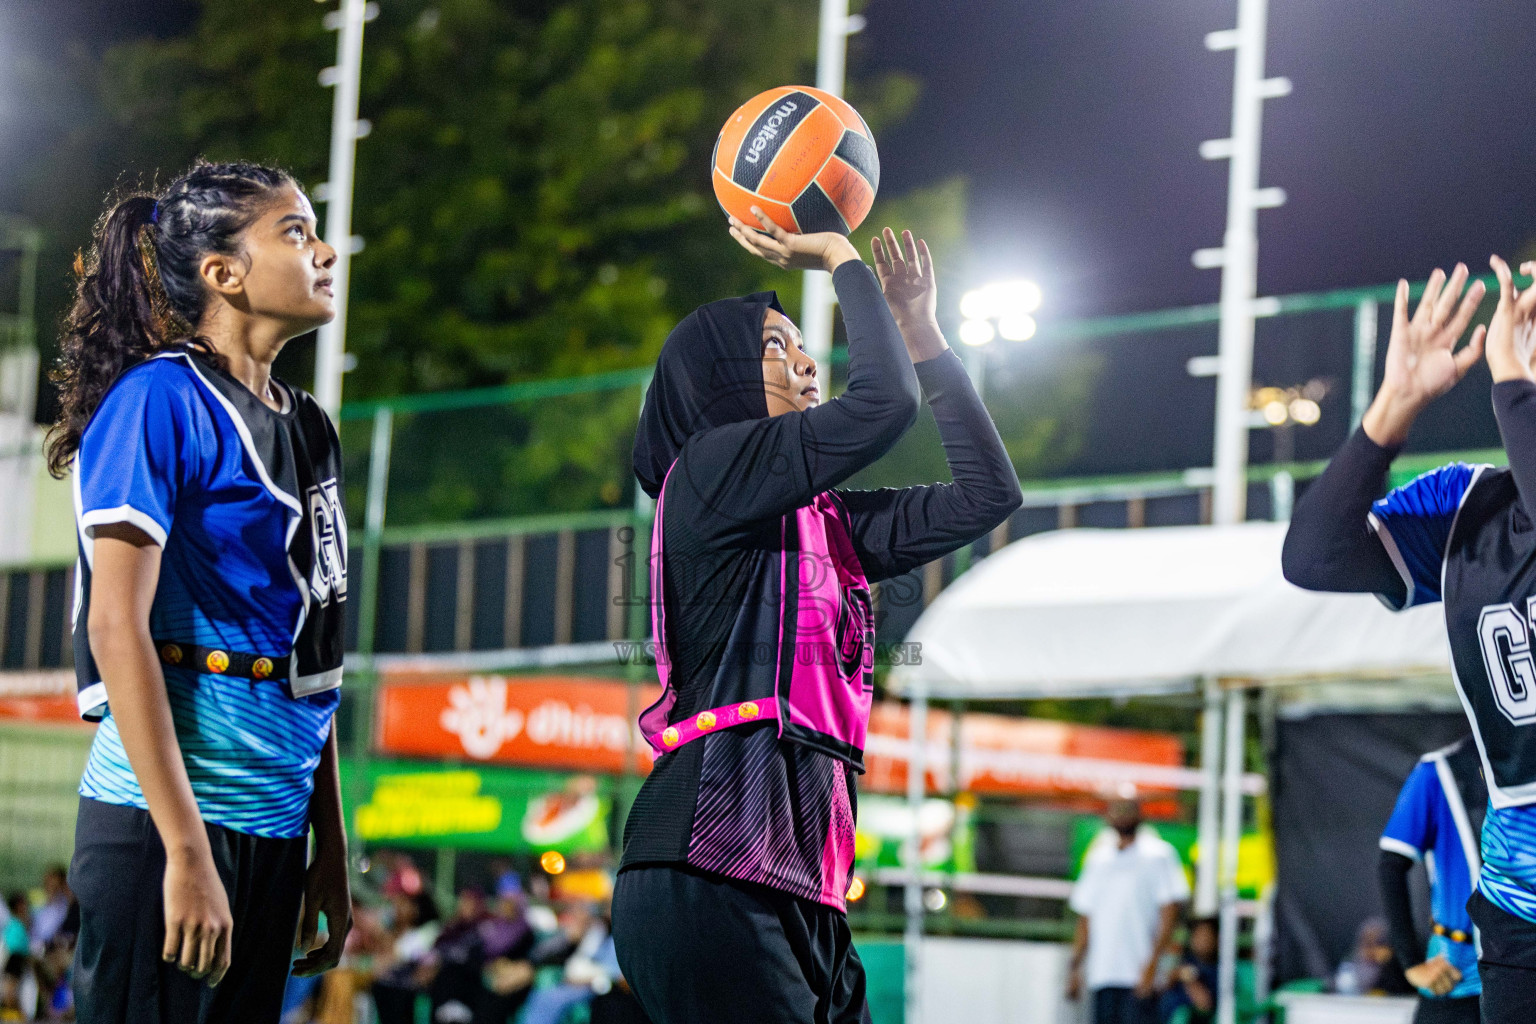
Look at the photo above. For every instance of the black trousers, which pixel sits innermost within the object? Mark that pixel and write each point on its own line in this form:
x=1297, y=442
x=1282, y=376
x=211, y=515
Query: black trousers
x=1448, y=1011
x=1506, y=963
x=1112, y=1005
x=118, y=875
x=697, y=947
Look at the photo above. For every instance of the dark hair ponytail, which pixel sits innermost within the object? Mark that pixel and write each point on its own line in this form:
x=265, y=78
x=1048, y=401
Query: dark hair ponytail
x=140, y=291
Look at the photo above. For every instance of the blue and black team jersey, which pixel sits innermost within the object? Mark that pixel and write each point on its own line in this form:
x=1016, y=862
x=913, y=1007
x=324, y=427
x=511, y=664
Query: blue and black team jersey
x=245, y=503
x=1431, y=823
x=1459, y=535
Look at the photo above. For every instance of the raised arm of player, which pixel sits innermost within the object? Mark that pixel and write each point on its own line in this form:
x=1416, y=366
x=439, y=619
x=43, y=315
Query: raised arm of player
x=1330, y=545
x=1422, y=362
x=125, y=574
x=895, y=529
x=1511, y=349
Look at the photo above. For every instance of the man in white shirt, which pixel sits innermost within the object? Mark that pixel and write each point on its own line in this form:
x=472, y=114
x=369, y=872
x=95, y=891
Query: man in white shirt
x=1127, y=900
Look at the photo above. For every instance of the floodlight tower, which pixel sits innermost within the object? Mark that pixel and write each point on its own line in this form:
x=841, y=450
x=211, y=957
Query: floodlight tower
x=1238, y=259
x=1238, y=256
x=345, y=77
x=831, y=64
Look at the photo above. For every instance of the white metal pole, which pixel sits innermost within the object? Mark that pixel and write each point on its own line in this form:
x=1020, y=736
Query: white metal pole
x=917, y=790
x=1364, y=383
x=345, y=78
x=1210, y=801
x=816, y=303
x=1238, y=255
x=1231, y=833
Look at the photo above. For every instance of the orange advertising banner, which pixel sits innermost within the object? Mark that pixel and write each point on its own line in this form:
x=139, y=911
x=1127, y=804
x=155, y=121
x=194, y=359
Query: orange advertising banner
x=1024, y=756
x=44, y=696
x=546, y=721
x=55, y=710
x=581, y=724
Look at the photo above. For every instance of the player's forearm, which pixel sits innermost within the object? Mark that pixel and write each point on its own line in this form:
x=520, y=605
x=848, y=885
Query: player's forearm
x=923, y=338
x=1329, y=545
x=126, y=573
x=1514, y=406
x=325, y=813
x=125, y=655
x=1392, y=877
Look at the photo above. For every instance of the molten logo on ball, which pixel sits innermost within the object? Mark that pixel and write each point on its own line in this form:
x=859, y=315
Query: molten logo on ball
x=769, y=131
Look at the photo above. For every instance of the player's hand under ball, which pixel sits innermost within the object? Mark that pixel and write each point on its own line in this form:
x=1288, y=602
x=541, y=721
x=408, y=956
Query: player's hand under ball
x=825, y=250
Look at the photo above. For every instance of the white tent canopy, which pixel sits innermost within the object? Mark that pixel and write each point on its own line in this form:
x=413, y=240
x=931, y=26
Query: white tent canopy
x=1079, y=613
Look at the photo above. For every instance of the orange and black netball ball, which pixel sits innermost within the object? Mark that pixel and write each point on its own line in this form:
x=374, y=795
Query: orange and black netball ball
x=803, y=156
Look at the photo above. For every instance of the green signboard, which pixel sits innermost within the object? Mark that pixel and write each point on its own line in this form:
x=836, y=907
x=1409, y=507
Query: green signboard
x=947, y=832
x=496, y=810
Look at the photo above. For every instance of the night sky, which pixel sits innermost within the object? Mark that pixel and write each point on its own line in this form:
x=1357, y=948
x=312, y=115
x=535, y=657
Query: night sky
x=1407, y=144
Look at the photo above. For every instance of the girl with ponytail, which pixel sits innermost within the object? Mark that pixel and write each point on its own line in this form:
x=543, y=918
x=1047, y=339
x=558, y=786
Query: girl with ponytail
x=210, y=592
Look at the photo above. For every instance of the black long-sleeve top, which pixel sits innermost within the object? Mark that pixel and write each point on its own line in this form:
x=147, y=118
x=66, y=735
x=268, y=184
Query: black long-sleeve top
x=770, y=804
x=1392, y=877
x=1330, y=545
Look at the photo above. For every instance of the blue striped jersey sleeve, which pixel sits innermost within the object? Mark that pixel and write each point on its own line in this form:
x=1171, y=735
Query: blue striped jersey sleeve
x=1411, y=829
x=135, y=453
x=1414, y=524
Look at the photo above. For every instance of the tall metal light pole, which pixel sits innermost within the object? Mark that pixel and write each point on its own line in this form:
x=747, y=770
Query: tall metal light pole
x=345, y=77
x=831, y=63
x=1238, y=259
x=1238, y=255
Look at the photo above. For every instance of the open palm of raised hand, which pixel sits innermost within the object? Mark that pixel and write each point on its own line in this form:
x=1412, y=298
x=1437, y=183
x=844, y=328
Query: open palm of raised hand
x=1422, y=362
x=1512, y=332
x=906, y=276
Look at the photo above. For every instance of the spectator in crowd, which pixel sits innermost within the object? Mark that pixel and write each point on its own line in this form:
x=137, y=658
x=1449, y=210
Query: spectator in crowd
x=1193, y=983
x=584, y=949
x=1372, y=968
x=16, y=956
x=451, y=970
x=58, y=907
x=54, y=970
x=414, y=930
x=507, y=939
x=1127, y=899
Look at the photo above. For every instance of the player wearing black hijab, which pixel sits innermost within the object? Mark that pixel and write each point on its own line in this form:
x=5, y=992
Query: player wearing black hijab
x=739, y=849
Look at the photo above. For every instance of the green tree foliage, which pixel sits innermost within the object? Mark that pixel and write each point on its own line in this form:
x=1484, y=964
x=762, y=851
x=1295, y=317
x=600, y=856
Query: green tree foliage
x=534, y=193
x=534, y=198
x=1039, y=405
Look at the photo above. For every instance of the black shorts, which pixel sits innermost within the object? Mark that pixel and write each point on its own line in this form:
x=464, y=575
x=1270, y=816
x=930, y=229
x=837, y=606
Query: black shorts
x=1506, y=962
x=698, y=947
x=118, y=874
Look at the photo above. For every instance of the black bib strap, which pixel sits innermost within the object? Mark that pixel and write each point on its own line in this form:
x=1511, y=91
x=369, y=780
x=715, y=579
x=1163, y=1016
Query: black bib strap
x=219, y=662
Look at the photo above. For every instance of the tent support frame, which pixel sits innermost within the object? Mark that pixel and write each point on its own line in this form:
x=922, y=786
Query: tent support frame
x=1210, y=800
x=1231, y=833
x=917, y=784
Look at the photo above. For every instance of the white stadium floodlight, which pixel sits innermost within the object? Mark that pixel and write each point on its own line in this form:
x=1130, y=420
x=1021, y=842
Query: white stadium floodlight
x=977, y=332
